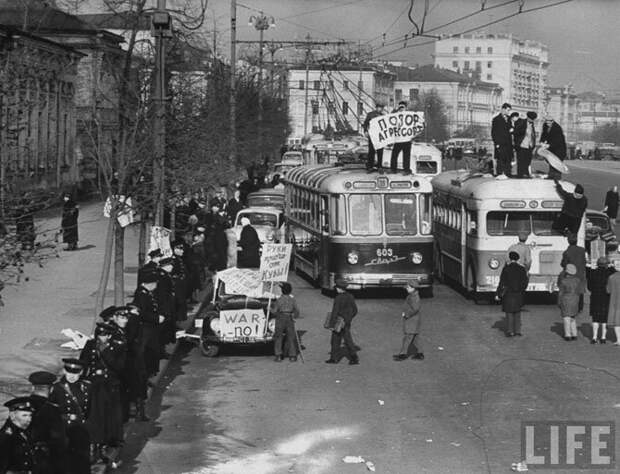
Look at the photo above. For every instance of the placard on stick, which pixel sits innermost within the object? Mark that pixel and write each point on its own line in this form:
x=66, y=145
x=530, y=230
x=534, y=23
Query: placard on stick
x=274, y=262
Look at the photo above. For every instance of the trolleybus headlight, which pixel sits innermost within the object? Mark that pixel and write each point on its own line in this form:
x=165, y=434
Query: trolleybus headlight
x=352, y=258
x=271, y=325
x=494, y=263
x=214, y=324
x=416, y=257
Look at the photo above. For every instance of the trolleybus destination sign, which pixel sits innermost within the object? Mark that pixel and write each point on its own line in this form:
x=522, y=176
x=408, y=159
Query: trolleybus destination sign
x=396, y=127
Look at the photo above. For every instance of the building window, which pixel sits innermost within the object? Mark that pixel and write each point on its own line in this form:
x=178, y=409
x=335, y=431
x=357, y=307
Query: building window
x=345, y=108
x=478, y=50
x=490, y=64
x=360, y=109
x=455, y=49
x=466, y=49
x=455, y=64
x=489, y=77
x=478, y=66
x=413, y=94
x=466, y=66
x=360, y=85
x=398, y=95
x=317, y=85
x=315, y=107
x=301, y=85
x=489, y=50
x=345, y=84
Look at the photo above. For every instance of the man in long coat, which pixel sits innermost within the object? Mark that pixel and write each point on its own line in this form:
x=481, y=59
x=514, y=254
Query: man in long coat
x=599, y=297
x=249, y=255
x=512, y=285
x=69, y=222
x=502, y=139
x=345, y=308
x=412, y=323
x=553, y=135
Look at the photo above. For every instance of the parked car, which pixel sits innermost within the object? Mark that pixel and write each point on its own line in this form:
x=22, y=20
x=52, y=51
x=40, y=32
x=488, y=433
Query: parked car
x=268, y=222
x=268, y=197
x=599, y=225
x=237, y=312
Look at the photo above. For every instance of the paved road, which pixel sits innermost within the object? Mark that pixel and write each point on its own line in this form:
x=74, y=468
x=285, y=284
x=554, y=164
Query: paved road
x=458, y=411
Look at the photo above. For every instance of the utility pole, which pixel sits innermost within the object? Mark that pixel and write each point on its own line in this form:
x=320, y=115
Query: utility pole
x=233, y=60
x=307, y=86
x=261, y=23
x=160, y=22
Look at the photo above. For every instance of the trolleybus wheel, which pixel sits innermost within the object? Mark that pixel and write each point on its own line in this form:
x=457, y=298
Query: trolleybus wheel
x=208, y=349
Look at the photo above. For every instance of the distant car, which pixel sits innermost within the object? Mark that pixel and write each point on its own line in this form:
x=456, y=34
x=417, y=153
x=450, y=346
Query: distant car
x=267, y=221
x=267, y=197
x=599, y=225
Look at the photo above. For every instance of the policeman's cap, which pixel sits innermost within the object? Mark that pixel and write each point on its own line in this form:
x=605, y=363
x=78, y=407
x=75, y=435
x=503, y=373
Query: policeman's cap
x=20, y=404
x=107, y=313
x=73, y=366
x=42, y=377
x=104, y=329
x=155, y=253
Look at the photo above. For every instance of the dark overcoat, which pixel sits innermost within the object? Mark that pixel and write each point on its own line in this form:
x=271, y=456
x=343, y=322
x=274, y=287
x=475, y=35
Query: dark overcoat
x=512, y=285
x=69, y=222
x=249, y=255
x=599, y=298
x=554, y=136
x=16, y=453
x=48, y=435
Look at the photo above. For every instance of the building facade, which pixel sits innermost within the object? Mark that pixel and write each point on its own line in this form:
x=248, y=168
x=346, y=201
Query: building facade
x=596, y=109
x=320, y=99
x=38, y=84
x=469, y=102
x=561, y=103
x=520, y=67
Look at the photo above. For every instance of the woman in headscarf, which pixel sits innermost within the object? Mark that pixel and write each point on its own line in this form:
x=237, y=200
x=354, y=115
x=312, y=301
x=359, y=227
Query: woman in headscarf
x=69, y=222
x=568, y=300
x=249, y=255
x=599, y=297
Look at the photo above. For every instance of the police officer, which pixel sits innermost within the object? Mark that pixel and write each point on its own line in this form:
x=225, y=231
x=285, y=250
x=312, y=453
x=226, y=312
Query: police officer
x=285, y=308
x=135, y=369
x=155, y=257
x=165, y=296
x=104, y=359
x=180, y=279
x=145, y=300
x=47, y=429
x=16, y=453
x=71, y=394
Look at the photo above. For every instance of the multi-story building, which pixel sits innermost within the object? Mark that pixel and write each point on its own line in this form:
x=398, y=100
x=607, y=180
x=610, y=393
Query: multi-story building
x=561, y=104
x=520, y=67
x=469, y=102
x=37, y=112
x=320, y=98
x=596, y=109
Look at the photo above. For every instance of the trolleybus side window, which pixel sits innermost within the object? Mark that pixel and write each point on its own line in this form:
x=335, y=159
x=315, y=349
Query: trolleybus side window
x=400, y=214
x=324, y=214
x=366, y=215
x=425, y=214
x=338, y=215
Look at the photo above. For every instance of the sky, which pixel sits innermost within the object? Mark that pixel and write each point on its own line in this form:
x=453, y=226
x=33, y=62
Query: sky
x=582, y=35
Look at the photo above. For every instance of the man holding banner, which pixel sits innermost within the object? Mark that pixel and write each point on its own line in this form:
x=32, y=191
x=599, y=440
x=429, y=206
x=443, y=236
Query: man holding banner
x=370, y=159
x=399, y=129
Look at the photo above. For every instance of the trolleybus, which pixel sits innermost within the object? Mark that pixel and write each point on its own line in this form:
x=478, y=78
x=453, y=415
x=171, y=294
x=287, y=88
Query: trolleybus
x=368, y=229
x=476, y=219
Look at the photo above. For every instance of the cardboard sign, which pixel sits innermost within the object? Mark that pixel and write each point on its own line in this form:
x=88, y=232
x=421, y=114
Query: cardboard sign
x=240, y=323
x=125, y=215
x=160, y=239
x=274, y=262
x=397, y=127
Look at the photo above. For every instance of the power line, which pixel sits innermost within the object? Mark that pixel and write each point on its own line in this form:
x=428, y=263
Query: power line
x=323, y=9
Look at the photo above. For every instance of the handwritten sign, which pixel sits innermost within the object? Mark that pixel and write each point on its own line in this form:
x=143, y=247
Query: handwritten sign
x=125, y=213
x=240, y=323
x=397, y=127
x=274, y=262
x=160, y=239
x=244, y=281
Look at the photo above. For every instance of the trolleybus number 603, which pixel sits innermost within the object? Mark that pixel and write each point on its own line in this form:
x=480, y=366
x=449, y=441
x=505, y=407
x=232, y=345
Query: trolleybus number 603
x=384, y=252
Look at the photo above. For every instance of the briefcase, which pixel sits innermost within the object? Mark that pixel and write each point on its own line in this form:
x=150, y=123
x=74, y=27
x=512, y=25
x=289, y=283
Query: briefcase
x=328, y=321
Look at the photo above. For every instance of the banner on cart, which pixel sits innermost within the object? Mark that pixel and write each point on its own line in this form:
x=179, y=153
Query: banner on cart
x=242, y=323
x=397, y=127
x=274, y=262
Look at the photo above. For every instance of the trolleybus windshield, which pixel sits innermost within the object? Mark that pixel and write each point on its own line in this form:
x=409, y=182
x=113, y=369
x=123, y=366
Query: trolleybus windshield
x=366, y=214
x=400, y=214
x=514, y=222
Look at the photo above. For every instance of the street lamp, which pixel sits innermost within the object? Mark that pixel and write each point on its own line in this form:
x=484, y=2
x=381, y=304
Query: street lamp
x=262, y=23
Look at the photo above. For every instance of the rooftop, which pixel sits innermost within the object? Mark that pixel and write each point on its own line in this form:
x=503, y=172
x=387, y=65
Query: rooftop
x=431, y=73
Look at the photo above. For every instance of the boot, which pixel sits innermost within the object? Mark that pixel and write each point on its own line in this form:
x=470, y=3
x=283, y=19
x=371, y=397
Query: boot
x=141, y=411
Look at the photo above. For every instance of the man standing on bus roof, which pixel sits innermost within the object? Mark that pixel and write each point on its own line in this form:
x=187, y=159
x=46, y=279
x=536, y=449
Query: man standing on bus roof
x=370, y=159
x=574, y=206
x=502, y=140
x=512, y=285
x=523, y=250
x=525, y=140
x=405, y=147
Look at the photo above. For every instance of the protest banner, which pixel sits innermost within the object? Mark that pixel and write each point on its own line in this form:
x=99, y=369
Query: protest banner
x=160, y=239
x=242, y=323
x=274, y=262
x=397, y=127
x=125, y=215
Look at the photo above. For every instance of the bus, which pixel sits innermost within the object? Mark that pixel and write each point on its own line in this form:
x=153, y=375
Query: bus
x=324, y=151
x=476, y=219
x=425, y=159
x=366, y=228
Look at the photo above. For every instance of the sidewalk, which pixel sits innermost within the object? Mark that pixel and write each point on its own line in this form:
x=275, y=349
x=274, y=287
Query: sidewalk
x=58, y=295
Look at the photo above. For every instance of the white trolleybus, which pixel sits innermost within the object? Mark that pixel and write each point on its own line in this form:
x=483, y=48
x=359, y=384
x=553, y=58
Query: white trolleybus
x=369, y=229
x=476, y=219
